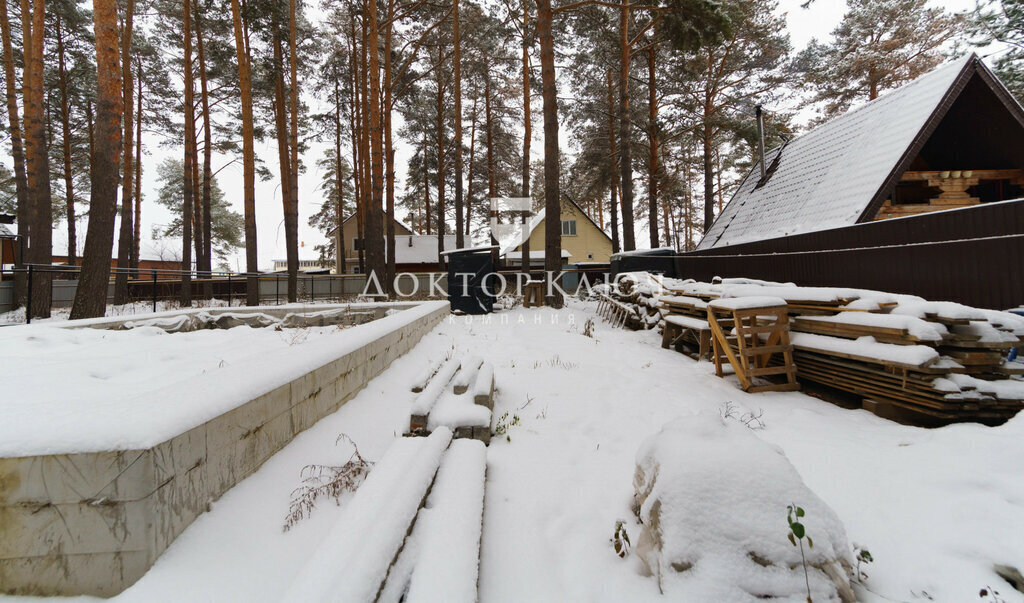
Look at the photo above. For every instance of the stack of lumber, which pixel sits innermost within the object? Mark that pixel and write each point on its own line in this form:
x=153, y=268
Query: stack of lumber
x=457, y=394
x=908, y=359
x=631, y=302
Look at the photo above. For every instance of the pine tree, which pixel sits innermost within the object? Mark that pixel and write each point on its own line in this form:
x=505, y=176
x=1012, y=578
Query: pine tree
x=879, y=45
x=1003, y=21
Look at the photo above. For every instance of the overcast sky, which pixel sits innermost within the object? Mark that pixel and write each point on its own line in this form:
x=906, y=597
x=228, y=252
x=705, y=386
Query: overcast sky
x=804, y=24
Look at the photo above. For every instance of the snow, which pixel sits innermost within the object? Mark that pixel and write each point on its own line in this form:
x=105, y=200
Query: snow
x=353, y=560
x=449, y=528
x=467, y=374
x=72, y=390
x=419, y=249
x=866, y=348
x=517, y=236
x=747, y=303
x=687, y=322
x=1004, y=389
x=937, y=508
x=791, y=293
x=920, y=308
x=916, y=327
x=985, y=332
x=428, y=397
x=684, y=299
x=713, y=498
x=458, y=410
x=484, y=380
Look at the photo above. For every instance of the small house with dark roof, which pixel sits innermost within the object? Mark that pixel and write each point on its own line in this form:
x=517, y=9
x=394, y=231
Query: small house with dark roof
x=952, y=138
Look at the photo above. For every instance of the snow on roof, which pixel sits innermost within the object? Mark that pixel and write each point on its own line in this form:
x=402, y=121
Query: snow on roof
x=655, y=251
x=827, y=177
x=6, y=233
x=419, y=249
x=478, y=248
x=518, y=236
x=534, y=255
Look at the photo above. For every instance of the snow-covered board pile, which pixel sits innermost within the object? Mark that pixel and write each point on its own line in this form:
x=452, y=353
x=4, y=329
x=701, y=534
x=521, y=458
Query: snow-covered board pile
x=636, y=294
x=441, y=558
x=712, y=499
x=354, y=559
x=459, y=396
x=899, y=350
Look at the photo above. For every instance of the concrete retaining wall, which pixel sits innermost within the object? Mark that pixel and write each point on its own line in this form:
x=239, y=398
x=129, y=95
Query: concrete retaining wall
x=93, y=523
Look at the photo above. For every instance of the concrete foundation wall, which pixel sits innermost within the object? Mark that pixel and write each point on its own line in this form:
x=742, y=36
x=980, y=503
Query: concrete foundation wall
x=94, y=523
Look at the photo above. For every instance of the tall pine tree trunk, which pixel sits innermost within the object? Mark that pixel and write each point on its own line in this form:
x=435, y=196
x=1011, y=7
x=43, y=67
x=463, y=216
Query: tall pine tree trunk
x=469, y=177
x=613, y=158
x=91, y=295
x=707, y=141
x=652, y=161
x=189, y=184
x=17, y=153
x=284, y=162
x=440, y=157
x=527, y=136
x=625, y=133
x=124, y=241
x=65, y=123
x=207, y=179
x=248, y=156
x=457, y=69
x=137, y=214
x=487, y=119
x=364, y=148
x=389, y=152
x=291, y=218
x=338, y=176
x=38, y=163
x=552, y=198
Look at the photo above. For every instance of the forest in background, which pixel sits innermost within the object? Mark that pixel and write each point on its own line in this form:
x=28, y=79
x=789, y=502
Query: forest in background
x=644, y=110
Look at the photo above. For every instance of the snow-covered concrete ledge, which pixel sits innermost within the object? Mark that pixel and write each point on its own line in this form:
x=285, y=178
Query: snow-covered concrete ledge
x=88, y=501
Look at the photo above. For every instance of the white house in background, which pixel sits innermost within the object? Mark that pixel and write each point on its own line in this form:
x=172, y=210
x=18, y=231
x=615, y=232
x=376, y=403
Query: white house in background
x=304, y=265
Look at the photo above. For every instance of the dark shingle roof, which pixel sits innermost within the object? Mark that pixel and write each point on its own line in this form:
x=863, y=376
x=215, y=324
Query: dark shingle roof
x=828, y=177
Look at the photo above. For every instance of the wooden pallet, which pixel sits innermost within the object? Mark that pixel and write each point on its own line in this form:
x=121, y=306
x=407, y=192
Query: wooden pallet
x=747, y=353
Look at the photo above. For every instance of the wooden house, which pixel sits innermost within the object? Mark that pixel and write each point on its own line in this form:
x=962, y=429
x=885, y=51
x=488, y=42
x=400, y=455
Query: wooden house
x=350, y=230
x=952, y=138
x=583, y=241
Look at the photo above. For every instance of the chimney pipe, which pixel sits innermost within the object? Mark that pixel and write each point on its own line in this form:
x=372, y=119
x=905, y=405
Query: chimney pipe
x=760, y=138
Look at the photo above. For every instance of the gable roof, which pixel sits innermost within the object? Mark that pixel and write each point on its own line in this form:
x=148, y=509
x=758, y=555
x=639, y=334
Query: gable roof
x=350, y=216
x=521, y=236
x=841, y=172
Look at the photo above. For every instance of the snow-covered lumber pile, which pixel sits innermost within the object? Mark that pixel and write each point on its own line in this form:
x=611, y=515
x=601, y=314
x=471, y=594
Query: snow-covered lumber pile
x=631, y=301
x=441, y=557
x=458, y=395
x=354, y=559
x=712, y=498
x=898, y=352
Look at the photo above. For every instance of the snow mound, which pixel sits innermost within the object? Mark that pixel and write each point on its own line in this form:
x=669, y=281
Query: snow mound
x=711, y=497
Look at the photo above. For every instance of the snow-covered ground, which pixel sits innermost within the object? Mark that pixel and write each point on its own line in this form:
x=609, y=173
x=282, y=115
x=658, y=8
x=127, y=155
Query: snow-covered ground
x=86, y=390
x=936, y=508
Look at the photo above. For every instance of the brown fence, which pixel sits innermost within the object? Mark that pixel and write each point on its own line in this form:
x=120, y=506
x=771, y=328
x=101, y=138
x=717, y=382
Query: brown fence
x=974, y=256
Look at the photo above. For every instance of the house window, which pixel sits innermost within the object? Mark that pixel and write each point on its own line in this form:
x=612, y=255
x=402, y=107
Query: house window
x=357, y=244
x=568, y=228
